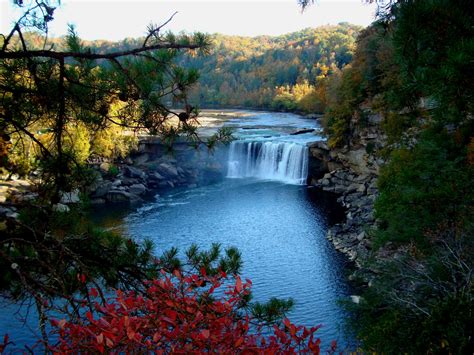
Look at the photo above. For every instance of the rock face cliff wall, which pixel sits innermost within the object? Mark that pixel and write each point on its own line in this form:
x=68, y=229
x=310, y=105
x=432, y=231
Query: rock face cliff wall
x=350, y=172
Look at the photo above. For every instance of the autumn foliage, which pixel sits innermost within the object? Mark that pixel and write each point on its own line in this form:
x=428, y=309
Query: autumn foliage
x=180, y=313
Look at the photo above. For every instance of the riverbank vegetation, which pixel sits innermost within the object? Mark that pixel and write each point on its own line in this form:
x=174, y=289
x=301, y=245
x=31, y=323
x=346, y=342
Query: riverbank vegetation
x=413, y=67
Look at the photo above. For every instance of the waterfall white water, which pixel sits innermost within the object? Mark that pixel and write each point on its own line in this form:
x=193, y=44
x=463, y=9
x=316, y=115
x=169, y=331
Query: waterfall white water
x=281, y=161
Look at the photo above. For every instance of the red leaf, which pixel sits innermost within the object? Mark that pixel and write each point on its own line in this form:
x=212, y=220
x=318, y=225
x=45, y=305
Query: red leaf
x=172, y=314
x=172, y=310
x=238, y=284
x=305, y=332
x=62, y=323
x=89, y=316
x=239, y=342
x=130, y=333
x=205, y=333
x=109, y=342
x=93, y=292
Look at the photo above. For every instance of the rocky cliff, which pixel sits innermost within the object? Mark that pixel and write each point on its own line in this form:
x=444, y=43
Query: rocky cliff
x=351, y=172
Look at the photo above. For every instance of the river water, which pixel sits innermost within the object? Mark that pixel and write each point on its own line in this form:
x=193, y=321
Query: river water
x=263, y=208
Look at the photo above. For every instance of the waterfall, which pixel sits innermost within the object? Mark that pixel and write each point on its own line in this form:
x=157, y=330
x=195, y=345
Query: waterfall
x=280, y=161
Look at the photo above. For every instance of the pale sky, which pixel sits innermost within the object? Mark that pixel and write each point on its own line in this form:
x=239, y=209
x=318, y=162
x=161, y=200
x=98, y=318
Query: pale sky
x=115, y=20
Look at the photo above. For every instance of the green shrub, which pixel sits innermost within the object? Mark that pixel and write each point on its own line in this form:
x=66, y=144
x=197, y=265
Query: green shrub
x=113, y=170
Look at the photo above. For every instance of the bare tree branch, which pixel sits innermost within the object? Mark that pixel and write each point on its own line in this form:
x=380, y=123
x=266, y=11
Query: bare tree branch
x=155, y=31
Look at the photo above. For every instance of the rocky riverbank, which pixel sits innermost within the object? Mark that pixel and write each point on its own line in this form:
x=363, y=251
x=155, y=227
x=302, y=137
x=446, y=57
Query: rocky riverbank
x=150, y=169
x=144, y=173
x=351, y=173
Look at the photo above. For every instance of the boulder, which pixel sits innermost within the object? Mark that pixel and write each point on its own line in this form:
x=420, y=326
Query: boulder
x=128, y=161
x=356, y=187
x=325, y=182
x=133, y=172
x=319, y=153
x=339, y=189
x=356, y=299
x=59, y=207
x=302, y=131
x=29, y=197
x=361, y=236
x=166, y=184
x=70, y=197
x=375, y=119
x=320, y=145
x=103, y=189
x=129, y=181
x=156, y=176
x=167, y=170
x=5, y=210
x=141, y=159
x=137, y=189
x=332, y=165
x=327, y=176
x=121, y=196
x=117, y=183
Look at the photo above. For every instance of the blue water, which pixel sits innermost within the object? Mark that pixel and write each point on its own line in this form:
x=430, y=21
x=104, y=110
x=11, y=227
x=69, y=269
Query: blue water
x=280, y=230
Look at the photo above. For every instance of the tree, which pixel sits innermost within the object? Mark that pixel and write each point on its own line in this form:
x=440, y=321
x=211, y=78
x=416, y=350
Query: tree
x=54, y=105
x=46, y=94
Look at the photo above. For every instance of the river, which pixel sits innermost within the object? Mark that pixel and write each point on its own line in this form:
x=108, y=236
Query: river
x=262, y=207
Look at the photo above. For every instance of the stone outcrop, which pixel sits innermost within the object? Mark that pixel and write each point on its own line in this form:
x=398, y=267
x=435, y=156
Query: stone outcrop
x=357, y=194
x=351, y=172
x=152, y=168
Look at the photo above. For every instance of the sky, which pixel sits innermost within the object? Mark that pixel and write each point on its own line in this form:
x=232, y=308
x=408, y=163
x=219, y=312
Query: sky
x=116, y=20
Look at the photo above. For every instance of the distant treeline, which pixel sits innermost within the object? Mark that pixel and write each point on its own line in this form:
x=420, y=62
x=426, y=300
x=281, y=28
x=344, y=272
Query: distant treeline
x=284, y=72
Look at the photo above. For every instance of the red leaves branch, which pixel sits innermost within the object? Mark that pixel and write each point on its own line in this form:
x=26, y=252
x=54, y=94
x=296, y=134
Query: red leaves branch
x=180, y=313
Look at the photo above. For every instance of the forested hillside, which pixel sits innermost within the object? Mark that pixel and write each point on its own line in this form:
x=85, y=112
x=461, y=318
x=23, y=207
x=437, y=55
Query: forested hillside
x=286, y=72
x=282, y=73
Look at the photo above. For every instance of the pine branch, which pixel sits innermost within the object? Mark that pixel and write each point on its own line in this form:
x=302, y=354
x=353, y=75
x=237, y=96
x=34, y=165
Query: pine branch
x=93, y=56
